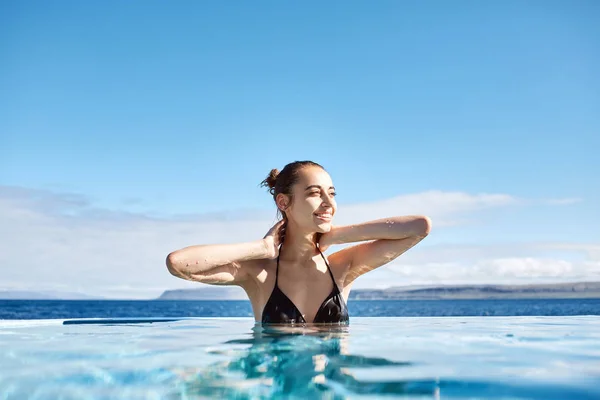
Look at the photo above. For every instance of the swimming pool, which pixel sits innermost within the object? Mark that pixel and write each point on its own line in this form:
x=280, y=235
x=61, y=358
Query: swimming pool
x=374, y=357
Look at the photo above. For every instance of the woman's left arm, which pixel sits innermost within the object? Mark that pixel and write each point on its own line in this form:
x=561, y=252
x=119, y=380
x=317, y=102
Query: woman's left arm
x=388, y=238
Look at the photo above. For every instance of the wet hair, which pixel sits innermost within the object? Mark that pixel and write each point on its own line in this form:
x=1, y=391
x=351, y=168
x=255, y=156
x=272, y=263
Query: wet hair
x=282, y=181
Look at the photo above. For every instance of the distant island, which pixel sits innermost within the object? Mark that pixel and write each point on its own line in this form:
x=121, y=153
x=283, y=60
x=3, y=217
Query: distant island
x=578, y=290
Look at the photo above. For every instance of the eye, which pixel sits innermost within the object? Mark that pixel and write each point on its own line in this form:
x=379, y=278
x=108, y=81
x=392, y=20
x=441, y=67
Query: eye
x=317, y=193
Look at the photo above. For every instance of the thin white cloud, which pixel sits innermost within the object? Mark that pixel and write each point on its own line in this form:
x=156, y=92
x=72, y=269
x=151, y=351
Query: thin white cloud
x=471, y=253
x=509, y=263
x=570, y=200
x=59, y=241
x=446, y=208
x=525, y=270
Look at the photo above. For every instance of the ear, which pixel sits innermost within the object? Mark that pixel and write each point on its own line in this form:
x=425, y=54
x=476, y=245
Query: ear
x=282, y=201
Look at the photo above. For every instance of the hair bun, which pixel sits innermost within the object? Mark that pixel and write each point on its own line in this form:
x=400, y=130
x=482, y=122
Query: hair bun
x=271, y=180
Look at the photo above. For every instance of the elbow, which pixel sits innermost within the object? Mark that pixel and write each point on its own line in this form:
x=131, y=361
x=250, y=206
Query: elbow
x=172, y=262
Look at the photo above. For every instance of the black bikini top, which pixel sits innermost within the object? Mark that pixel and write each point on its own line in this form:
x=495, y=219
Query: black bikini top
x=281, y=310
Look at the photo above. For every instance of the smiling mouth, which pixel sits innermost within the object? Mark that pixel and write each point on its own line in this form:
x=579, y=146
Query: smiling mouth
x=324, y=216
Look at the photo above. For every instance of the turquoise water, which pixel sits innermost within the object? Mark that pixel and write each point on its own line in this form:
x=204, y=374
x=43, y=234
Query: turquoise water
x=383, y=357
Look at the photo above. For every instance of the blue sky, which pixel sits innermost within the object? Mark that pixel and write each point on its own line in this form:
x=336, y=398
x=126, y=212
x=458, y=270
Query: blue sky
x=148, y=111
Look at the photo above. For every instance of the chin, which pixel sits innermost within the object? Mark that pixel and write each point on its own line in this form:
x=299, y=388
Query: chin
x=324, y=228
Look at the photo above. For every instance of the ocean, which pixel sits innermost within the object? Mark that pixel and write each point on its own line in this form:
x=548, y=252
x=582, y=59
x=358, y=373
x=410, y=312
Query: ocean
x=61, y=309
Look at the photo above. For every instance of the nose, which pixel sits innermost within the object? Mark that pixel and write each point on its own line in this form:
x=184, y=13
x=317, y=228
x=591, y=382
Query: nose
x=328, y=199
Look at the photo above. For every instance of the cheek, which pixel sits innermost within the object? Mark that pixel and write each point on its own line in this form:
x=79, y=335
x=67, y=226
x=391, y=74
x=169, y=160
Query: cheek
x=306, y=209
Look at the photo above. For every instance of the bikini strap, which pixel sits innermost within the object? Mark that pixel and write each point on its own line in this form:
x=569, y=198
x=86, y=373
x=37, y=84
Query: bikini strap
x=328, y=269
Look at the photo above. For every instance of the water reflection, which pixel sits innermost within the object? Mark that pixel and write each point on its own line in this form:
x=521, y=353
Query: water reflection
x=303, y=362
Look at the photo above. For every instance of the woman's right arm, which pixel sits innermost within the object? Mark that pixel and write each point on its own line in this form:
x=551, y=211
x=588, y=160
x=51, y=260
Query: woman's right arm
x=223, y=264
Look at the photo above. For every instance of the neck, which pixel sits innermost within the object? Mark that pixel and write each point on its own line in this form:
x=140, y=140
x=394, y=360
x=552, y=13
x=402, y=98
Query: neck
x=298, y=247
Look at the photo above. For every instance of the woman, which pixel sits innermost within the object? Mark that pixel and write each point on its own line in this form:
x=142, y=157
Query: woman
x=285, y=275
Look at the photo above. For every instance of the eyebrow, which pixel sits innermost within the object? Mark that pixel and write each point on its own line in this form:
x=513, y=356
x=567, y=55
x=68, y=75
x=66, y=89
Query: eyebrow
x=317, y=186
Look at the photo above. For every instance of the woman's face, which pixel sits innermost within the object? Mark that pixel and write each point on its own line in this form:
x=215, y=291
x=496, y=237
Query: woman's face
x=313, y=205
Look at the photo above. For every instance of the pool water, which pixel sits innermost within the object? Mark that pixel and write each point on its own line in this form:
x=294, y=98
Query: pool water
x=232, y=358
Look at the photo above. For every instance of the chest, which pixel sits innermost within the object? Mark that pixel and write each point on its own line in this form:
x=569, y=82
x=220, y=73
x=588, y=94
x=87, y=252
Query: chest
x=304, y=290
